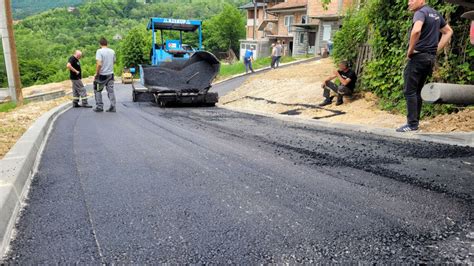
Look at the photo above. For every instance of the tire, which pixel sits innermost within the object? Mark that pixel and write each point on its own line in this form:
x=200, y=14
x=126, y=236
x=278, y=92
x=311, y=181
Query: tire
x=162, y=103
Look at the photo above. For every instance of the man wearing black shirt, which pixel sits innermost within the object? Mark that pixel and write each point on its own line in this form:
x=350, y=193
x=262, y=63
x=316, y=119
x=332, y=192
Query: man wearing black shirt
x=348, y=80
x=78, y=90
x=429, y=34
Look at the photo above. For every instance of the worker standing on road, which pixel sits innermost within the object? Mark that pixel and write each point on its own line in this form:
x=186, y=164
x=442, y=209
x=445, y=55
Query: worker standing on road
x=75, y=74
x=248, y=59
x=425, y=42
x=104, y=76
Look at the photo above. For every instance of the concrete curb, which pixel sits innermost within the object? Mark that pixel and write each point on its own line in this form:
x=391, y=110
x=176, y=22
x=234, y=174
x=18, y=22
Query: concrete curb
x=17, y=168
x=458, y=139
x=267, y=68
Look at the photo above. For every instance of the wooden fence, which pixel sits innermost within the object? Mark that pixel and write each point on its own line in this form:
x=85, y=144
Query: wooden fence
x=365, y=55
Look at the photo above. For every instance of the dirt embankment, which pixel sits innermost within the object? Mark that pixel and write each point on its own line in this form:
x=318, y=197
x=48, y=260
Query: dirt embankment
x=14, y=123
x=296, y=90
x=64, y=85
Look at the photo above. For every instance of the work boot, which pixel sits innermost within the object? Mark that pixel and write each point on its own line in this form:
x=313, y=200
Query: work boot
x=98, y=109
x=339, y=102
x=111, y=109
x=75, y=105
x=328, y=101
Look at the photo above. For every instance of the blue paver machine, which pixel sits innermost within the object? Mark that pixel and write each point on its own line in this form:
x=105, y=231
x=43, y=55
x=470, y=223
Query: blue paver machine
x=177, y=74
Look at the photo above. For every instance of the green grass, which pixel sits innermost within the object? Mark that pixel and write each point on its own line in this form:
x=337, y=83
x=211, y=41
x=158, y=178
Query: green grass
x=9, y=106
x=6, y=107
x=239, y=68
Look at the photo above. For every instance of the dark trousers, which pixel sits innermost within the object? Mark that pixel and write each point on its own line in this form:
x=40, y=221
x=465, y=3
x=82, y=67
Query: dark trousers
x=248, y=65
x=340, y=90
x=417, y=71
x=274, y=60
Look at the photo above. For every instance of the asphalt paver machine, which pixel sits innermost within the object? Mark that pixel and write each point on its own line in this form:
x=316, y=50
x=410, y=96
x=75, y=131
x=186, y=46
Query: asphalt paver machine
x=177, y=74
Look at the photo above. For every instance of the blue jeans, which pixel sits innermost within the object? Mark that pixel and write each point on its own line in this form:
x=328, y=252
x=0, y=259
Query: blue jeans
x=248, y=65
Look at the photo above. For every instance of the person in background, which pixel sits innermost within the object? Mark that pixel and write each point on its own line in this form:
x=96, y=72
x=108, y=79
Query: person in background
x=429, y=34
x=348, y=80
x=330, y=45
x=104, y=76
x=248, y=59
x=78, y=90
x=273, y=56
x=278, y=53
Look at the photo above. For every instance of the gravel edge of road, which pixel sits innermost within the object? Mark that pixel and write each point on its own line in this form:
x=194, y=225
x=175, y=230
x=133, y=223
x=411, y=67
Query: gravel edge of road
x=17, y=169
x=300, y=61
x=457, y=139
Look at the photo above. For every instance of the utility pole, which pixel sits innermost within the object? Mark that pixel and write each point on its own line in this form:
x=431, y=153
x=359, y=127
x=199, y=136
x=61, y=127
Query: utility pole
x=9, y=51
x=254, y=19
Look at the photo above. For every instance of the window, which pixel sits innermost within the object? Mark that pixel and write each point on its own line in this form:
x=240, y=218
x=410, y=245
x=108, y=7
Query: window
x=304, y=19
x=326, y=32
x=289, y=22
x=301, y=40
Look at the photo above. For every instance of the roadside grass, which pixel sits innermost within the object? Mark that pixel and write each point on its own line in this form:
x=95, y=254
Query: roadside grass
x=228, y=70
x=9, y=106
x=6, y=107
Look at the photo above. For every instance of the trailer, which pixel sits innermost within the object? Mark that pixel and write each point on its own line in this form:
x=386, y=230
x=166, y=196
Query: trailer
x=177, y=74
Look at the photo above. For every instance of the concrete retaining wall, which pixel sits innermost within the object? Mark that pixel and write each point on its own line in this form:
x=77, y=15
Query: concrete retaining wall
x=46, y=96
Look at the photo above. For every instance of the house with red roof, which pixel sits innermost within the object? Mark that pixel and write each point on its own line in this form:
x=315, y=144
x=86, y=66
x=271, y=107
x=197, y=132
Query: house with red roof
x=303, y=26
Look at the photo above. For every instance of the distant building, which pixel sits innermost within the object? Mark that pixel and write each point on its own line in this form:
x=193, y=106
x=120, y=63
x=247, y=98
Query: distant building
x=303, y=26
x=71, y=9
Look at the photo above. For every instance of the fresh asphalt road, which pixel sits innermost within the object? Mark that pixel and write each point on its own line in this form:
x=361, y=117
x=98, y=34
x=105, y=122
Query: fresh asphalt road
x=202, y=185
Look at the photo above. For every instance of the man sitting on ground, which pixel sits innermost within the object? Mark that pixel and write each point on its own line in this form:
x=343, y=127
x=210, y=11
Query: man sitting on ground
x=348, y=80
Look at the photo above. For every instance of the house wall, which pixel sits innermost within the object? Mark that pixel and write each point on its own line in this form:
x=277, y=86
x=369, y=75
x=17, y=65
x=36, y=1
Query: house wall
x=334, y=28
x=260, y=18
x=282, y=29
x=262, y=48
x=315, y=7
x=336, y=7
x=300, y=48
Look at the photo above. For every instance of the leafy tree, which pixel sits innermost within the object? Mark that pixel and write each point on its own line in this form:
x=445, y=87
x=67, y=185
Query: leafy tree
x=135, y=48
x=224, y=30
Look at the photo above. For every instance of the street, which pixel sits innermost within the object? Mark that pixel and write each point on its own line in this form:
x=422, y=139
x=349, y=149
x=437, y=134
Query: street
x=208, y=185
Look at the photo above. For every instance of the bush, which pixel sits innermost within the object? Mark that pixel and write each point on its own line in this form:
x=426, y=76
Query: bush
x=385, y=25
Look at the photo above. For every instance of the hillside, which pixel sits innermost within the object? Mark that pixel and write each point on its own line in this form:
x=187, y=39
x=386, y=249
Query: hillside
x=25, y=8
x=45, y=41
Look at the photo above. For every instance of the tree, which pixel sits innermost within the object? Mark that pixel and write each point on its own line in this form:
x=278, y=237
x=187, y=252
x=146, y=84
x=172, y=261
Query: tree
x=135, y=47
x=223, y=31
